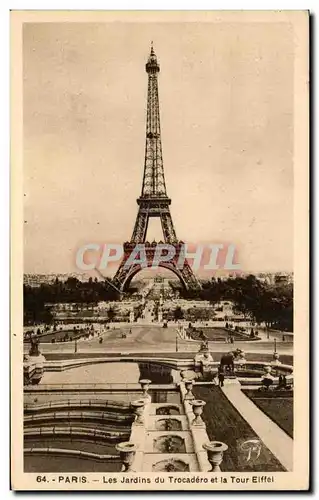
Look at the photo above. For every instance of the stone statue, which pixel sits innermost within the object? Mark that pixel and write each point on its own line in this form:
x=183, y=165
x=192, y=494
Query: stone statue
x=34, y=349
x=227, y=361
x=204, y=346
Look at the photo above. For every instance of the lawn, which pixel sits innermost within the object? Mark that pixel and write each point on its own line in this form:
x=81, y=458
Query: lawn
x=277, y=406
x=221, y=334
x=224, y=423
x=58, y=336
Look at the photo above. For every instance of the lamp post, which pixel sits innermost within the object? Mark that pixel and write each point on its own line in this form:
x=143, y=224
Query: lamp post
x=176, y=342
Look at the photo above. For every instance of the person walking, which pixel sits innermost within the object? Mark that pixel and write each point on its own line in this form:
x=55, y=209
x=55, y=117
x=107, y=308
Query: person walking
x=221, y=378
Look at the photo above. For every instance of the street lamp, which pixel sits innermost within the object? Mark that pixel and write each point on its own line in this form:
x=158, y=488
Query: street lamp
x=176, y=342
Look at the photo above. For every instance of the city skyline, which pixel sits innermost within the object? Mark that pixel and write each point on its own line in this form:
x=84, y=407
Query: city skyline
x=84, y=131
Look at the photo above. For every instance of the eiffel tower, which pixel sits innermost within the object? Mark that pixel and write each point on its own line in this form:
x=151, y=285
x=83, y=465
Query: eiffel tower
x=153, y=201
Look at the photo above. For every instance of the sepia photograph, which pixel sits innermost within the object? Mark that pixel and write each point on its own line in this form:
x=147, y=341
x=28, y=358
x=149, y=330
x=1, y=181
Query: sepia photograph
x=159, y=279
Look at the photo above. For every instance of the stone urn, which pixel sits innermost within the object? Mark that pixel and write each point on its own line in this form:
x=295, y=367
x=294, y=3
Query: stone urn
x=138, y=408
x=145, y=384
x=215, y=451
x=241, y=359
x=275, y=358
x=183, y=374
x=189, y=386
x=197, y=405
x=267, y=379
x=127, y=453
x=268, y=370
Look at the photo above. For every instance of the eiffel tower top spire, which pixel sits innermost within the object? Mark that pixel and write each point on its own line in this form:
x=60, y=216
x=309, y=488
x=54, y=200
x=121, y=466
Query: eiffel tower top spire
x=153, y=178
x=152, y=65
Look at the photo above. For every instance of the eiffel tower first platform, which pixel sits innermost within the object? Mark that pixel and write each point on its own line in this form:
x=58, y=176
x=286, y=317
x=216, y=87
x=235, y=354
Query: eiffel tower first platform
x=153, y=201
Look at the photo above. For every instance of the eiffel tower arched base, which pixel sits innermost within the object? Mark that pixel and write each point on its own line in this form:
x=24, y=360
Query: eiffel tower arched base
x=125, y=273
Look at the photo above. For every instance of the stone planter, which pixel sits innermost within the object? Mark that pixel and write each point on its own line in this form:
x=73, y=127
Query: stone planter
x=127, y=453
x=267, y=379
x=241, y=360
x=183, y=374
x=267, y=369
x=145, y=384
x=197, y=405
x=215, y=451
x=138, y=407
x=275, y=358
x=189, y=386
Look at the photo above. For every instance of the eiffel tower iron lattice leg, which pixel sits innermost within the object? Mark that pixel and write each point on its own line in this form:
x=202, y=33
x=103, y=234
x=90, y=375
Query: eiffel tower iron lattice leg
x=153, y=201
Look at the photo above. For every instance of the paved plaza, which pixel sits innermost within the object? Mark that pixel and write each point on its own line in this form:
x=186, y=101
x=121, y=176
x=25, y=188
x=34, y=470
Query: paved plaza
x=155, y=338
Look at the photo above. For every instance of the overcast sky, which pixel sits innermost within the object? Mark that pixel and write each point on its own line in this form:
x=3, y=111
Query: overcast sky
x=226, y=104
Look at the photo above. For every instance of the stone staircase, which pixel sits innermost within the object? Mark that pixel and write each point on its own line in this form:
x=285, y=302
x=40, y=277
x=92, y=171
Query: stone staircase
x=168, y=437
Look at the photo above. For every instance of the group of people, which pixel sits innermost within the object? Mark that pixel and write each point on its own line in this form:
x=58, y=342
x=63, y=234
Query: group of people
x=268, y=381
x=229, y=339
x=282, y=382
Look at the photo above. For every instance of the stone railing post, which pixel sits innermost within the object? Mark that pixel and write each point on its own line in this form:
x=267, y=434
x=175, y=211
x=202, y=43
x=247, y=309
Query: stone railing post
x=139, y=430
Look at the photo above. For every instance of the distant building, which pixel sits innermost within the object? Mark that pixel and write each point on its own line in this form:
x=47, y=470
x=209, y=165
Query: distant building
x=159, y=279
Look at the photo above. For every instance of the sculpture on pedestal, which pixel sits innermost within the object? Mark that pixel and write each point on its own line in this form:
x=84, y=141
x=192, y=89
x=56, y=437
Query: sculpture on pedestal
x=33, y=364
x=203, y=360
x=268, y=379
x=34, y=349
x=226, y=365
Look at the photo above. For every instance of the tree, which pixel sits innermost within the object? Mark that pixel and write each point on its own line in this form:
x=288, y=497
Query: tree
x=178, y=313
x=111, y=313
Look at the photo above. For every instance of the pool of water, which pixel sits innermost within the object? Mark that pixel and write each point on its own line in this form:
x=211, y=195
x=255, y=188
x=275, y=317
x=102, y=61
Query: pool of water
x=56, y=463
x=113, y=373
x=157, y=395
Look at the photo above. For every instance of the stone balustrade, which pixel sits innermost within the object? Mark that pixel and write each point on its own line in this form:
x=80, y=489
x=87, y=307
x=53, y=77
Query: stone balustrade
x=198, y=432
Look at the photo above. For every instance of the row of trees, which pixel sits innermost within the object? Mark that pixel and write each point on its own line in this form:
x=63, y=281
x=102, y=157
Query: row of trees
x=254, y=299
x=258, y=301
x=36, y=299
x=191, y=314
